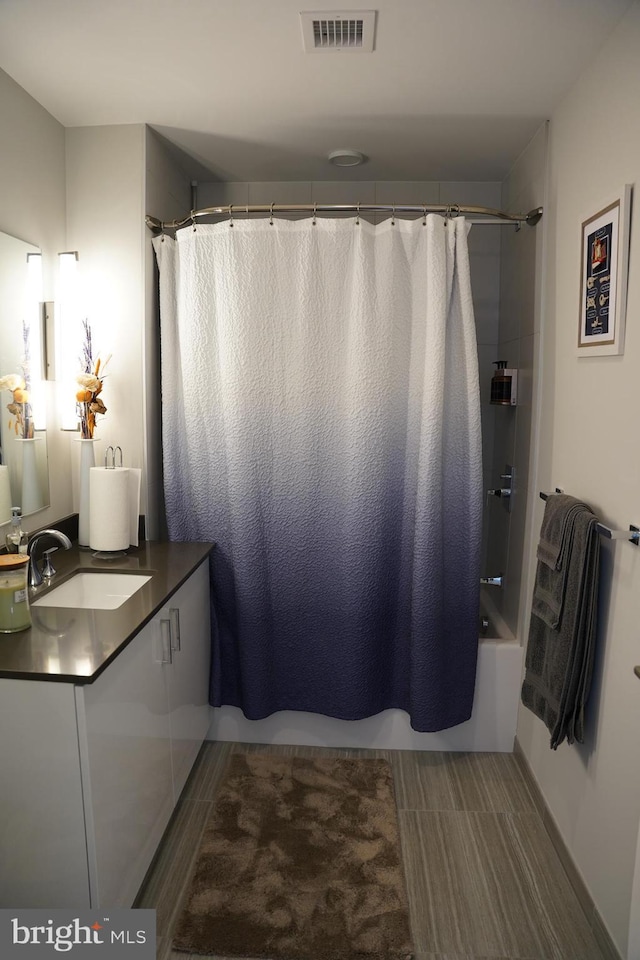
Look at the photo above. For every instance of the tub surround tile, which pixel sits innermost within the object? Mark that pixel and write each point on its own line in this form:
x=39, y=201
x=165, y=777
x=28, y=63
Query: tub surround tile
x=518, y=190
x=276, y=192
x=487, y=193
x=212, y=194
x=343, y=191
x=407, y=191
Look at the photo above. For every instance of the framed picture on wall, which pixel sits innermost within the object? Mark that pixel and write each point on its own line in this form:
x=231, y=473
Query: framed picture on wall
x=603, y=278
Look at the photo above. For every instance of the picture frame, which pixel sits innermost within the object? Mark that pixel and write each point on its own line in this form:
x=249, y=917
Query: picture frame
x=604, y=265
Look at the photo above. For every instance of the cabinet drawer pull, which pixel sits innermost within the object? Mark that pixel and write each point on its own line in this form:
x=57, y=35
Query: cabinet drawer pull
x=174, y=614
x=165, y=641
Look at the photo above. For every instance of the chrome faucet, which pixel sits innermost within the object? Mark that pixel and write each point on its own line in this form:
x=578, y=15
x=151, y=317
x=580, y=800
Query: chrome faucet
x=35, y=574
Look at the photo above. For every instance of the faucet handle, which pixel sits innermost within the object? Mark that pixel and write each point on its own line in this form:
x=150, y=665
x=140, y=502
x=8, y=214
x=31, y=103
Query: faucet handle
x=48, y=569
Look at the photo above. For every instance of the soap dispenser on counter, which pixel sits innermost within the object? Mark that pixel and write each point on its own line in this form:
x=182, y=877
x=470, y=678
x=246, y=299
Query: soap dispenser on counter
x=16, y=540
x=504, y=385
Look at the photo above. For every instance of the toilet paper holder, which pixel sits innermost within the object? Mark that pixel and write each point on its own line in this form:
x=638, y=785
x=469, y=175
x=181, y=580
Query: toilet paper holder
x=110, y=457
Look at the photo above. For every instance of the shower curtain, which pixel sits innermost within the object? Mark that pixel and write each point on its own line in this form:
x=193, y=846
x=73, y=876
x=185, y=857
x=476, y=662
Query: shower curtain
x=321, y=424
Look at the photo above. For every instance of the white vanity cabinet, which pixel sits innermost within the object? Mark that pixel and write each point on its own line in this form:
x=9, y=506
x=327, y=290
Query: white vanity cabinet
x=187, y=674
x=124, y=746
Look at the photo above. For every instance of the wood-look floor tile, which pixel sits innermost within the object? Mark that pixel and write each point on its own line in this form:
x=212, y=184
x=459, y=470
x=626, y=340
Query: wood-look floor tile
x=558, y=910
x=166, y=882
x=422, y=780
x=208, y=771
x=483, y=879
x=466, y=956
x=461, y=781
x=163, y=948
x=301, y=750
x=603, y=937
x=489, y=781
x=489, y=884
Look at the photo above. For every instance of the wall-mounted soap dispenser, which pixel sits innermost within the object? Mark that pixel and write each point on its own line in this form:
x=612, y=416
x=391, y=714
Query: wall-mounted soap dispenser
x=504, y=385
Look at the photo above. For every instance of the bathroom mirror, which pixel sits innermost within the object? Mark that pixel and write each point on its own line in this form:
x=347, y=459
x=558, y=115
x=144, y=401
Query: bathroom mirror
x=24, y=474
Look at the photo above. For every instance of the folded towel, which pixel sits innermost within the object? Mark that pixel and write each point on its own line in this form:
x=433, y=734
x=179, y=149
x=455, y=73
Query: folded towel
x=556, y=535
x=559, y=661
x=555, y=526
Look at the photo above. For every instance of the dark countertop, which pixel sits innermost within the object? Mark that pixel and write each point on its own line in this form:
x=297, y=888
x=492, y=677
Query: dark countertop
x=75, y=646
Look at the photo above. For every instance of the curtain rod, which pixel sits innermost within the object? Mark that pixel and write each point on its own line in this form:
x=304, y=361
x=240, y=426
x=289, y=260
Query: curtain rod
x=489, y=215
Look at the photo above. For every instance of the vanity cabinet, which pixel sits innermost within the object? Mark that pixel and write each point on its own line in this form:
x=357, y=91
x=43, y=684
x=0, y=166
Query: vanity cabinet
x=96, y=769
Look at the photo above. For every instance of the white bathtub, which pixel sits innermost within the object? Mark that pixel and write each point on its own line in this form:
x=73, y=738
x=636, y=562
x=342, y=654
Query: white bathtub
x=492, y=725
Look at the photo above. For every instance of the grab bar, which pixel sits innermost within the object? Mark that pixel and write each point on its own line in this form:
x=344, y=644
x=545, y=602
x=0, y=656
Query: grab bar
x=632, y=534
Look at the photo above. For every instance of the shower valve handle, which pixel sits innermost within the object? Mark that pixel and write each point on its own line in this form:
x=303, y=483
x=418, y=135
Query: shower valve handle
x=499, y=492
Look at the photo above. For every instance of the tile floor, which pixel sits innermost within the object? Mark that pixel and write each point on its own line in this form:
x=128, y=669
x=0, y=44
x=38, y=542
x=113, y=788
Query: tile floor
x=483, y=879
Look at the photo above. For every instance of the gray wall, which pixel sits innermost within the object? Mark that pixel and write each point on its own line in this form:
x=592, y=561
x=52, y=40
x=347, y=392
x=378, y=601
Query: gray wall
x=168, y=197
x=519, y=343
x=32, y=208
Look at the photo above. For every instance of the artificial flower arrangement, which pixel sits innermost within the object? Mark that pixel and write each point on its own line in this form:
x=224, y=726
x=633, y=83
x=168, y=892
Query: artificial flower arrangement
x=88, y=400
x=21, y=419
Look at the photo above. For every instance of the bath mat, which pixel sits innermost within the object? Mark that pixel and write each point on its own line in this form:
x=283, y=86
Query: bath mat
x=300, y=860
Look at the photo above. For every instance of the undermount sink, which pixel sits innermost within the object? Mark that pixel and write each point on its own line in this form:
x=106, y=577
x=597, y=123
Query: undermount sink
x=93, y=591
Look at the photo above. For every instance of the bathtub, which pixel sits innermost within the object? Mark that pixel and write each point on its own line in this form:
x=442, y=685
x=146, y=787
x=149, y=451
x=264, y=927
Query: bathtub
x=492, y=725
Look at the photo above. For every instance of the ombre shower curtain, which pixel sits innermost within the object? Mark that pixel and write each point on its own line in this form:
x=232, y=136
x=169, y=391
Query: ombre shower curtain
x=321, y=424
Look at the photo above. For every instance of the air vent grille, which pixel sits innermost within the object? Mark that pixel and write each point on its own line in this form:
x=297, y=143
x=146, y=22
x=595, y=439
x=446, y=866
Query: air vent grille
x=337, y=33
x=350, y=31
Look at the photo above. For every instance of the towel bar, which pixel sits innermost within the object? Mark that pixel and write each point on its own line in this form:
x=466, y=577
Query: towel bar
x=632, y=534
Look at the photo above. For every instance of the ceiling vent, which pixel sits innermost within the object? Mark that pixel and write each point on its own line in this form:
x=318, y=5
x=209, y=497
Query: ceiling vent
x=349, y=31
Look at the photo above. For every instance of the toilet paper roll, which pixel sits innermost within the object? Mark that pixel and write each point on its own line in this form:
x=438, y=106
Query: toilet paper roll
x=5, y=494
x=109, y=512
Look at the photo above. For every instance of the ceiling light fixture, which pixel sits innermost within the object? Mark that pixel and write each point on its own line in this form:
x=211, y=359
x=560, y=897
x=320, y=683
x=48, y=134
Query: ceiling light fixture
x=346, y=158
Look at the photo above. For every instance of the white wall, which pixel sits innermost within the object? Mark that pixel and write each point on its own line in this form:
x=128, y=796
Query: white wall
x=105, y=224
x=588, y=446
x=115, y=175
x=32, y=208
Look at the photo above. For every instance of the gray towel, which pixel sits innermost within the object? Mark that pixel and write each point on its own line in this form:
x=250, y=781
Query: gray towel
x=553, y=551
x=559, y=662
x=555, y=527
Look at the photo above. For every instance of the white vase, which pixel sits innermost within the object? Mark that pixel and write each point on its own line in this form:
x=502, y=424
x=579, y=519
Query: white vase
x=87, y=460
x=31, y=493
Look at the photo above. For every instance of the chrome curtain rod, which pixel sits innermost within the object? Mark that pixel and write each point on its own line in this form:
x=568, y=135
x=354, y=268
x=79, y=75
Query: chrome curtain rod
x=488, y=215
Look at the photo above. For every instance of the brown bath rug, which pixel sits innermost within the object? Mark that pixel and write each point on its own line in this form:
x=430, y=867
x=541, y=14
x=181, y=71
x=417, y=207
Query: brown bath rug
x=300, y=860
